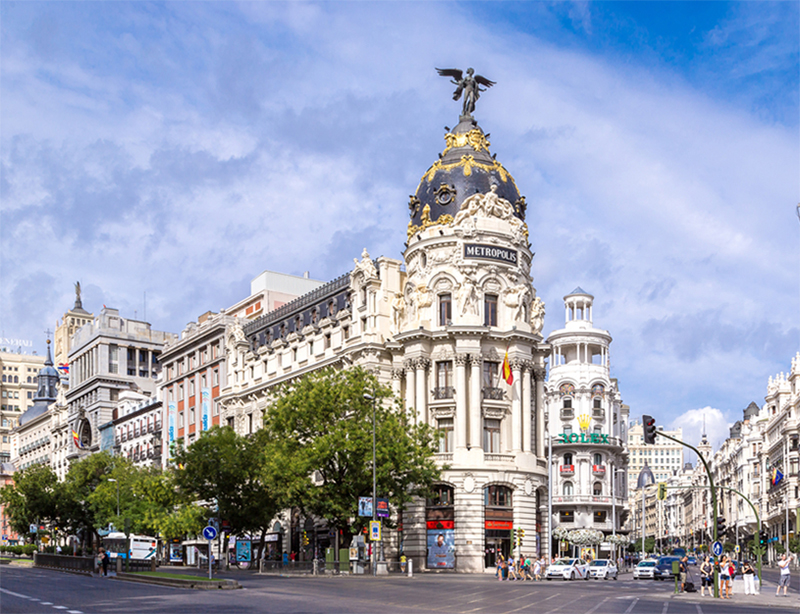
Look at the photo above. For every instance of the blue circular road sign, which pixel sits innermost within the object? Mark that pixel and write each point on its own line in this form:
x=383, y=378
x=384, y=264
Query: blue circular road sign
x=211, y=533
x=716, y=548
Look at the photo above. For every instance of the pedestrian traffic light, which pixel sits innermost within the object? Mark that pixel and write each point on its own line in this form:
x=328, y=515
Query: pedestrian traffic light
x=649, y=424
x=662, y=491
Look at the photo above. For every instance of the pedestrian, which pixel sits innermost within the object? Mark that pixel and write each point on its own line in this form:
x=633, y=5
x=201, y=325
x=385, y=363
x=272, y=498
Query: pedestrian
x=749, y=575
x=512, y=568
x=403, y=561
x=98, y=561
x=499, y=566
x=104, y=560
x=683, y=568
x=706, y=578
x=786, y=575
x=537, y=569
x=724, y=578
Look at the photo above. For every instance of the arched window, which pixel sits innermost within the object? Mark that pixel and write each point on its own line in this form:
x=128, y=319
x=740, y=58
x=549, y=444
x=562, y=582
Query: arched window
x=568, y=489
x=598, y=459
x=568, y=458
x=597, y=489
x=442, y=496
x=29, y=379
x=4, y=378
x=497, y=496
x=16, y=379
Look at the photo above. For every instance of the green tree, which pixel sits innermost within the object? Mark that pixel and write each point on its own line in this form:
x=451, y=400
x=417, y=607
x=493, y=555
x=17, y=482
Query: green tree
x=35, y=496
x=729, y=546
x=779, y=548
x=320, y=428
x=794, y=545
x=649, y=545
x=233, y=470
x=167, y=511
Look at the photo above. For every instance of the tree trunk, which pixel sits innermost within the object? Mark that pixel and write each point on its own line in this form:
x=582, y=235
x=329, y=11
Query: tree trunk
x=261, y=543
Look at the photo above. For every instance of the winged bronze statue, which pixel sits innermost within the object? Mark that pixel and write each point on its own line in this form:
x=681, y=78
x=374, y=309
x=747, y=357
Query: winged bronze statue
x=469, y=86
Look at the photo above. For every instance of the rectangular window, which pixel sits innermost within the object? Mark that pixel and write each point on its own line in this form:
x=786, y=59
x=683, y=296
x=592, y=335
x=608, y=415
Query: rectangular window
x=567, y=516
x=180, y=420
x=445, y=309
x=491, y=435
x=216, y=377
x=447, y=435
x=191, y=415
x=203, y=380
x=249, y=423
x=310, y=347
x=490, y=310
x=327, y=341
x=191, y=387
x=444, y=374
x=113, y=359
x=180, y=392
x=490, y=374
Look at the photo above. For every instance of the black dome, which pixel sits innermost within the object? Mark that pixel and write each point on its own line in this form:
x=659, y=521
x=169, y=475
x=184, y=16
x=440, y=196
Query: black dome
x=465, y=168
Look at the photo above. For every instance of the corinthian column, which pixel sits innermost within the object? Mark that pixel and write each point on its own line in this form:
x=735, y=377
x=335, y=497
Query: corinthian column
x=516, y=405
x=538, y=374
x=475, y=401
x=526, y=406
x=411, y=390
x=397, y=382
x=422, y=365
x=461, y=400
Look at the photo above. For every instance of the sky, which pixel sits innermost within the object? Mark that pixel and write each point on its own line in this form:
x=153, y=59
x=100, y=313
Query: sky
x=167, y=153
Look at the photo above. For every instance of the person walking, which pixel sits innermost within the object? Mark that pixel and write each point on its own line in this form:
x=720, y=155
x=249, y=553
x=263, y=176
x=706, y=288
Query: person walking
x=104, y=560
x=724, y=578
x=499, y=566
x=706, y=577
x=786, y=575
x=537, y=569
x=749, y=575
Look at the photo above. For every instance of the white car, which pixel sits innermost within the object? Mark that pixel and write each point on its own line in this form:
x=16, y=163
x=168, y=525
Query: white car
x=567, y=569
x=602, y=569
x=645, y=569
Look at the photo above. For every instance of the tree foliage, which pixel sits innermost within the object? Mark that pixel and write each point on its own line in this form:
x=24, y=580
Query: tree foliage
x=35, y=496
x=321, y=426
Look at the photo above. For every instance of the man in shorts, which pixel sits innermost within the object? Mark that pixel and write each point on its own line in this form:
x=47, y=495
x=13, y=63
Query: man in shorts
x=682, y=569
x=786, y=575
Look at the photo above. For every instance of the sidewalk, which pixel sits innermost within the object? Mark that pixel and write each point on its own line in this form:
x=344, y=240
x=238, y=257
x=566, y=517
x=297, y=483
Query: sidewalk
x=765, y=599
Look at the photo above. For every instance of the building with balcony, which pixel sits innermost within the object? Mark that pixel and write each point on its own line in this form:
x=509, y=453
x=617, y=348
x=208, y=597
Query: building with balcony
x=18, y=384
x=135, y=431
x=587, y=424
x=436, y=327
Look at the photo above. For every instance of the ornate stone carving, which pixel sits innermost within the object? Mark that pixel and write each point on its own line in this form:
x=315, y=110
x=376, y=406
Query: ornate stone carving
x=424, y=296
x=539, y=373
x=516, y=299
x=467, y=295
x=398, y=311
x=469, y=483
x=366, y=266
x=489, y=205
x=462, y=359
x=537, y=315
x=494, y=413
x=422, y=363
x=516, y=364
x=398, y=374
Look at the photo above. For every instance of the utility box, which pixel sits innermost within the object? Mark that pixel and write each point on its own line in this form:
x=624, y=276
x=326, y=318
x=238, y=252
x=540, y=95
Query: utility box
x=358, y=555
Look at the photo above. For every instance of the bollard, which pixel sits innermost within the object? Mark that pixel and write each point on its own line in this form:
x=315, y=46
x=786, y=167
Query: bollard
x=314, y=567
x=410, y=567
x=119, y=564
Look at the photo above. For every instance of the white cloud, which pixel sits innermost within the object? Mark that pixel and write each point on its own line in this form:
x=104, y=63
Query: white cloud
x=696, y=422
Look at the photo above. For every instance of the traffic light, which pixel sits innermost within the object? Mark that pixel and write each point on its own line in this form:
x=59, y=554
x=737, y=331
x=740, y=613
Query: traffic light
x=662, y=491
x=649, y=424
x=305, y=538
x=521, y=535
x=720, y=525
x=762, y=538
x=514, y=537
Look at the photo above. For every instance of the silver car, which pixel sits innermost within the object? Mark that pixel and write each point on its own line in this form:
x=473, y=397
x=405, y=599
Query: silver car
x=602, y=569
x=645, y=569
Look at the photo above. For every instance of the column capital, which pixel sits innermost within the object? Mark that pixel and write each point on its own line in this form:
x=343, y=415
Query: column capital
x=398, y=373
x=422, y=363
x=462, y=359
x=516, y=364
x=539, y=373
x=476, y=359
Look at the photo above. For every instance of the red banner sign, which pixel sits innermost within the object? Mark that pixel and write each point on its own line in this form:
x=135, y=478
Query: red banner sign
x=498, y=524
x=441, y=524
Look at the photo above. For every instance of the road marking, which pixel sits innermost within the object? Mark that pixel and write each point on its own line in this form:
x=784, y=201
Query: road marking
x=8, y=592
x=699, y=609
x=60, y=607
x=633, y=603
x=552, y=597
x=43, y=602
x=74, y=612
x=36, y=599
x=595, y=608
x=664, y=609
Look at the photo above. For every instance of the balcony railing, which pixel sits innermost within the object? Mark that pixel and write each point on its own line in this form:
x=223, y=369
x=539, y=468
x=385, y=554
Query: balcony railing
x=567, y=413
x=575, y=499
x=493, y=394
x=599, y=469
x=566, y=469
x=443, y=392
x=598, y=413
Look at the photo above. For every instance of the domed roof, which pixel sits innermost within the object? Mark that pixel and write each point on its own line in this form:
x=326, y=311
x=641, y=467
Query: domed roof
x=464, y=168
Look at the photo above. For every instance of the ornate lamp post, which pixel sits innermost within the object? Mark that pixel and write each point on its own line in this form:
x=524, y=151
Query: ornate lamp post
x=645, y=479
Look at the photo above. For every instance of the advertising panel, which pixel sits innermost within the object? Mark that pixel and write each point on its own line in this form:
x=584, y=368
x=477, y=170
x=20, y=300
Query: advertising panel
x=205, y=416
x=173, y=408
x=383, y=508
x=365, y=506
x=175, y=553
x=441, y=549
x=243, y=550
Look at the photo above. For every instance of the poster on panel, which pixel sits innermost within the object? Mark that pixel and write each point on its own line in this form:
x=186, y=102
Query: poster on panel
x=172, y=411
x=441, y=549
x=206, y=408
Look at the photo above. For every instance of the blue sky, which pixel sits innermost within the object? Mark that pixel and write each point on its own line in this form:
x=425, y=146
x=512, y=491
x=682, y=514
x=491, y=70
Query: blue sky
x=179, y=149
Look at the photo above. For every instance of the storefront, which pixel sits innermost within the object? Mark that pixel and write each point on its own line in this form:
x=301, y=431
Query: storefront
x=498, y=522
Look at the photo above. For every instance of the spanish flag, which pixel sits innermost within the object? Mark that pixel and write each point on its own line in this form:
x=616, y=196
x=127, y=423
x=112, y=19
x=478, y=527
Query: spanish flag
x=507, y=374
x=76, y=439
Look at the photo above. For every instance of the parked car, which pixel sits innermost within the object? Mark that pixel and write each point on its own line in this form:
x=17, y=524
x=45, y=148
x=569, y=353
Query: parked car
x=692, y=560
x=567, y=569
x=645, y=569
x=664, y=568
x=603, y=568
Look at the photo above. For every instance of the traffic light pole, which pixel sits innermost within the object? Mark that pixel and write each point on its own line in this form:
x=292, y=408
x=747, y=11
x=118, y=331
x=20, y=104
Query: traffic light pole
x=758, y=549
x=713, y=500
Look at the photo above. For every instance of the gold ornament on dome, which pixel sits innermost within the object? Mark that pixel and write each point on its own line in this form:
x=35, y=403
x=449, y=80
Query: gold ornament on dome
x=467, y=162
x=583, y=421
x=426, y=222
x=474, y=138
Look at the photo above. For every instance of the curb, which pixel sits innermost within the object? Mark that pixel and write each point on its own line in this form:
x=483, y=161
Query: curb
x=176, y=583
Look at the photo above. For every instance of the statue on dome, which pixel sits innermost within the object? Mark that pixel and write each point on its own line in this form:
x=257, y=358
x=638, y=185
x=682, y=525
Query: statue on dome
x=469, y=87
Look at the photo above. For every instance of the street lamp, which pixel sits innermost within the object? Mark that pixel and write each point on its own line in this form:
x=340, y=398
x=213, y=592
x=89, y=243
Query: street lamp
x=117, y=483
x=645, y=479
x=371, y=398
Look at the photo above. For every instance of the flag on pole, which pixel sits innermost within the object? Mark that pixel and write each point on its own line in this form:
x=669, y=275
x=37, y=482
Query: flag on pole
x=77, y=439
x=507, y=374
x=777, y=476
x=64, y=367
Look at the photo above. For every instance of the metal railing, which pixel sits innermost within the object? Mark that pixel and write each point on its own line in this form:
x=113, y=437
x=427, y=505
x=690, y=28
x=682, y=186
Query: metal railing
x=81, y=564
x=443, y=392
x=493, y=394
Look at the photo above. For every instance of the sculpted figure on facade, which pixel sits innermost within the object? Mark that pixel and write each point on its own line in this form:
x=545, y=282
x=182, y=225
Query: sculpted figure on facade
x=423, y=296
x=516, y=298
x=487, y=205
x=398, y=311
x=366, y=265
x=468, y=297
x=537, y=315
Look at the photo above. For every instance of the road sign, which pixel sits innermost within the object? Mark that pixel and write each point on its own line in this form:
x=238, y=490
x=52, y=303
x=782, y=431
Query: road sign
x=716, y=548
x=737, y=549
x=375, y=530
x=214, y=522
x=210, y=533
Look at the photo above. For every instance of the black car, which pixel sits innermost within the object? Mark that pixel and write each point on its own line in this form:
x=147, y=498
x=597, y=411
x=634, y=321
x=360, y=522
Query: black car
x=664, y=568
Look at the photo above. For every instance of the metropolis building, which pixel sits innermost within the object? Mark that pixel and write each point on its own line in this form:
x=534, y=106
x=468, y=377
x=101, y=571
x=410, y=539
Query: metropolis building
x=435, y=326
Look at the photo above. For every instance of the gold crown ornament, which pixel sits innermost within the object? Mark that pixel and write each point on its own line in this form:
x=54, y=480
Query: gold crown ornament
x=583, y=421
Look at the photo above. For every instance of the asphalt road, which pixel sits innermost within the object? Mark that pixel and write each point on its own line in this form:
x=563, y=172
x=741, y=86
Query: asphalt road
x=25, y=590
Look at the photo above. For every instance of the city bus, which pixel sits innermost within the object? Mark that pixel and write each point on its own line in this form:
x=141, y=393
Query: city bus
x=141, y=546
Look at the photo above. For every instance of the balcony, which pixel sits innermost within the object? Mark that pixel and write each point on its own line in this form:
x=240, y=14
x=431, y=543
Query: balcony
x=491, y=393
x=598, y=414
x=566, y=469
x=599, y=469
x=567, y=413
x=443, y=392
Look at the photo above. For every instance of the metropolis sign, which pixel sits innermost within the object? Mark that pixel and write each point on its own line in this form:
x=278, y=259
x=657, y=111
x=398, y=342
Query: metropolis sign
x=583, y=438
x=490, y=252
